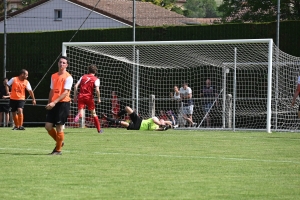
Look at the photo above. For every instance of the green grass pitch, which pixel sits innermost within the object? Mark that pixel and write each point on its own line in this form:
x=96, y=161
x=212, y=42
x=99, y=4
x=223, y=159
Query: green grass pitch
x=174, y=164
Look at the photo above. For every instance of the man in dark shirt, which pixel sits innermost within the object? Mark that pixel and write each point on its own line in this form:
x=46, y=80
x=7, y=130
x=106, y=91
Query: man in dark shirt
x=4, y=105
x=209, y=93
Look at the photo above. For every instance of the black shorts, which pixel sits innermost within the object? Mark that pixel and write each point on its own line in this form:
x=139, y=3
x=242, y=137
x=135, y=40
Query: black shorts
x=4, y=107
x=135, y=123
x=59, y=113
x=15, y=104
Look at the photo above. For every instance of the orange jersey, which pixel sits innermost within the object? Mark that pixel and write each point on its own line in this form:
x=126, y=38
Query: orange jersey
x=58, y=85
x=18, y=89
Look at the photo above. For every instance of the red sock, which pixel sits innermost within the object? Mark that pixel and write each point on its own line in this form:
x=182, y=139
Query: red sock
x=97, y=124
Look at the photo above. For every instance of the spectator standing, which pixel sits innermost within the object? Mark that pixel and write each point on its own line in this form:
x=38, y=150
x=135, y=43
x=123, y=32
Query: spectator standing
x=4, y=106
x=176, y=109
x=176, y=94
x=296, y=94
x=58, y=106
x=187, y=104
x=115, y=105
x=88, y=83
x=210, y=95
x=18, y=85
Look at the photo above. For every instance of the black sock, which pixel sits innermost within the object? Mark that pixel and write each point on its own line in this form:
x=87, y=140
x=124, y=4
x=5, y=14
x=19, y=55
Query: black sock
x=122, y=112
x=116, y=121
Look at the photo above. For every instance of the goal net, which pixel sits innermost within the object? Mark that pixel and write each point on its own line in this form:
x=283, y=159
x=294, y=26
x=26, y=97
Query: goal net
x=253, y=81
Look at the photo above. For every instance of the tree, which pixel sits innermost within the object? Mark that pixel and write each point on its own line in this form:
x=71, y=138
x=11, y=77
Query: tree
x=168, y=4
x=258, y=11
x=201, y=8
x=29, y=2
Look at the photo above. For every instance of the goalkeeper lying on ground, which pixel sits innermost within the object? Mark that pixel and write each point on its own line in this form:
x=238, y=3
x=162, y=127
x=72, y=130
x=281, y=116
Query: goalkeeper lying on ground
x=137, y=123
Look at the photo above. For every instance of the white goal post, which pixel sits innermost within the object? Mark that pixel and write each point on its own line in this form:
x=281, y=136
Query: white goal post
x=253, y=80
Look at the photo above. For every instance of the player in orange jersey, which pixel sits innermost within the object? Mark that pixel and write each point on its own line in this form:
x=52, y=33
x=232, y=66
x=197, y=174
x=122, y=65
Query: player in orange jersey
x=88, y=83
x=59, y=104
x=18, y=85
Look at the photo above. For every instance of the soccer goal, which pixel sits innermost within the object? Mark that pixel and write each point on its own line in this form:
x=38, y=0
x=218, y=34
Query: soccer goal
x=254, y=81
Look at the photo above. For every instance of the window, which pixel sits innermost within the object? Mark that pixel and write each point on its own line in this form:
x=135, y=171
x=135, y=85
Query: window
x=58, y=15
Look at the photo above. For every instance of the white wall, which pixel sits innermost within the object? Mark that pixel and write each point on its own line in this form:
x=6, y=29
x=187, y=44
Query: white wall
x=41, y=18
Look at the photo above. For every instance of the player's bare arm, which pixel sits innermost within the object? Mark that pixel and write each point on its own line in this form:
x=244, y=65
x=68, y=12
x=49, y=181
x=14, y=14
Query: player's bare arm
x=32, y=96
x=98, y=94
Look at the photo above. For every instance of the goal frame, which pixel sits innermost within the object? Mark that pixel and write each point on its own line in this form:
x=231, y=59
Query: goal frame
x=238, y=41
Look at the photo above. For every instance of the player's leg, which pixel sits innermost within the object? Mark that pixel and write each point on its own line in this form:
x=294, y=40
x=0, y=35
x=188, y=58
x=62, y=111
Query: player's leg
x=20, y=107
x=127, y=110
x=96, y=121
x=20, y=118
x=91, y=106
x=61, y=116
x=14, y=107
x=49, y=125
x=78, y=116
x=115, y=121
x=80, y=105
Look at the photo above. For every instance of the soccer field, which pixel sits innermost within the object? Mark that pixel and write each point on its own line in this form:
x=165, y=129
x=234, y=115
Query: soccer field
x=173, y=164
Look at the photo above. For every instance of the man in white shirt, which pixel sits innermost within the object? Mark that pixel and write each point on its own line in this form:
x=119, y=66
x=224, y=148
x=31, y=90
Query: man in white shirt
x=187, y=104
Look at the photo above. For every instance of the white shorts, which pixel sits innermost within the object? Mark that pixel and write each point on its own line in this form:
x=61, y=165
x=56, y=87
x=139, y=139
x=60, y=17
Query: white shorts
x=187, y=110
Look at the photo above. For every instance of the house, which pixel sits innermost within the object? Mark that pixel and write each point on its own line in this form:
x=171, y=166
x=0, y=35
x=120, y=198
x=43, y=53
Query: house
x=56, y=15
x=14, y=5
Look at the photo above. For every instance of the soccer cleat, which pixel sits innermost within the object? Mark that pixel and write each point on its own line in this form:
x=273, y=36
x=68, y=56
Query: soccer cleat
x=101, y=131
x=122, y=112
x=21, y=128
x=15, y=128
x=54, y=150
x=175, y=126
x=76, y=120
x=194, y=124
x=55, y=153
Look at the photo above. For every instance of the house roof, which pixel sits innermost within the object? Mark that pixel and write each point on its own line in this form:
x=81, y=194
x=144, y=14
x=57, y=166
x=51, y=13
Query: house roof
x=147, y=14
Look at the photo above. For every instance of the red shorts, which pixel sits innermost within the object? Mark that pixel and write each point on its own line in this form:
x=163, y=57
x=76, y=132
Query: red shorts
x=86, y=102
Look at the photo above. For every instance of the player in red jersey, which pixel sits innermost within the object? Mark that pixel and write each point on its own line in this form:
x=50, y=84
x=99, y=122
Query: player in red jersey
x=88, y=83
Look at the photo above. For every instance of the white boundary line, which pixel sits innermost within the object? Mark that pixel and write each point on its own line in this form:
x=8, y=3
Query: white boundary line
x=166, y=156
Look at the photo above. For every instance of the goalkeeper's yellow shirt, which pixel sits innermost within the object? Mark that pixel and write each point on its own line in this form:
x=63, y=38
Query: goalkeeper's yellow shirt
x=148, y=125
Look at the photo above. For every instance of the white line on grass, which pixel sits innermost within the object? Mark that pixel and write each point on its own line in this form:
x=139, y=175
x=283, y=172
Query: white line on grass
x=167, y=156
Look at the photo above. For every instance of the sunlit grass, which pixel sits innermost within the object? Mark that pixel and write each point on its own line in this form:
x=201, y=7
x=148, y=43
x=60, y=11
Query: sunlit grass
x=121, y=164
